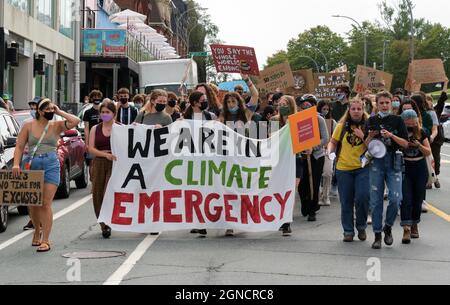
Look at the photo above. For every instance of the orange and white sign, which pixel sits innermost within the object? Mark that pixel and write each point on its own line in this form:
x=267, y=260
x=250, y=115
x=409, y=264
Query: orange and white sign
x=305, y=132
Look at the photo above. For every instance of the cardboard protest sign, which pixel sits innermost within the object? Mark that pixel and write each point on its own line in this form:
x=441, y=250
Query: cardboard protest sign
x=372, y=79
x=278, y=76
x=202, y=175
x=326, y=83
x=235, y=59
x=303, y=83
x=305, y=132
x=25, y=190
x=344, y=68
x=425, y=71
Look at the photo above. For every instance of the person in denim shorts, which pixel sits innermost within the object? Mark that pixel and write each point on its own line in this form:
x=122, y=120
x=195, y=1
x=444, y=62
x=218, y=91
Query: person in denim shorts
x=42, y=135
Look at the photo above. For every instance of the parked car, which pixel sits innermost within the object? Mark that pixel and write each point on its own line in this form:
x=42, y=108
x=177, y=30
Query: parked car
x=9, y=130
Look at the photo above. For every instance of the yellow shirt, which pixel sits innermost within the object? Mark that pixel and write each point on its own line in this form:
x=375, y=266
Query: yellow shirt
x=351, y=151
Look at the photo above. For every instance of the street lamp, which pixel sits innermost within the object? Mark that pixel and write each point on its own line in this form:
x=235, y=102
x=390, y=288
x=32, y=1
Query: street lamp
x=177, y=23
x=323, y=54
x=312, y=59
x=364, y=32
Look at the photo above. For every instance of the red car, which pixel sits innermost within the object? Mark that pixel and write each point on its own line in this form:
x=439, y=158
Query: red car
x=71, y=153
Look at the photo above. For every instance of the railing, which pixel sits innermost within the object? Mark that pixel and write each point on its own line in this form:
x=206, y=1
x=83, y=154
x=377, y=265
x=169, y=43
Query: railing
x=115, y=43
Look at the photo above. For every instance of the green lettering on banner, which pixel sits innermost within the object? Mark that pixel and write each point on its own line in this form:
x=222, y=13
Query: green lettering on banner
x=190, y=176
x=171, y=179
x=235, y=175
x=263, y=180
x=203, y=173
x=213, y=169
x=249, y=171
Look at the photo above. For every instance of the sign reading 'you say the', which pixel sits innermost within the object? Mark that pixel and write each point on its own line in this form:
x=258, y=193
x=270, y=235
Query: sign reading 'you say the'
x=235, y=59
x=198, y=175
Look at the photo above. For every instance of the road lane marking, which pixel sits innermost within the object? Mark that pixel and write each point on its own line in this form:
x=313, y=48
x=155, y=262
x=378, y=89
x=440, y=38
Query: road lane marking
x=439, y=212
x=56, y=216
x=128, y=265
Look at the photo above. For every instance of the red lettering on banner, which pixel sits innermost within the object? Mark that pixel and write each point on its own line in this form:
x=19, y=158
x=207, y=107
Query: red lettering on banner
x=212, y=217
x=247, y=207
x=229, y=207
x=146, y=202
x=266, y=200
x=169, y=205
x=282, y=202
x=119, y=209
x=193, y=204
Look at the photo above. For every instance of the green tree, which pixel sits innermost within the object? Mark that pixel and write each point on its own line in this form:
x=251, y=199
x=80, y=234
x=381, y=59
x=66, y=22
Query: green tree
x=277, y=58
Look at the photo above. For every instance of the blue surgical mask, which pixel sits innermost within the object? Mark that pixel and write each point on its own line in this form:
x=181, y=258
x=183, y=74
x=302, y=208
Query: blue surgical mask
x=340, y=97
x=395, y=104
x=234, y=110
x=33, y=114
x=384, y=114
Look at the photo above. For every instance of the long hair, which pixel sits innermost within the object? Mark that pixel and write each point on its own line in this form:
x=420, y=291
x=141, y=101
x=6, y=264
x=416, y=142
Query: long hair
x=153, y=97
x=210, y=95
x=322, y=104
x=241, y=116
x=193, y=98
x=347, y=120
x=408, y=101
x=292, y=108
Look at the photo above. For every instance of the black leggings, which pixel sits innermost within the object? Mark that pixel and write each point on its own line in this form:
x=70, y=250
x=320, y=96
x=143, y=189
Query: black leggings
x=311, y=205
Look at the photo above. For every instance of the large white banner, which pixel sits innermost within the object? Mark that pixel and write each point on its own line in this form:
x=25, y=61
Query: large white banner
x=201, y=175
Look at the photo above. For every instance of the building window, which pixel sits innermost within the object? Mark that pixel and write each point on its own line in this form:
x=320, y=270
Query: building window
x=65, y=13
x=22, y=5
x=45, y=12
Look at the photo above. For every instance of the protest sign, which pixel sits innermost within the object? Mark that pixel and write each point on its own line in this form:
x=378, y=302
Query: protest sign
x=425, y=71
x=372, y=79
x=305, y=132
x=303, y=83
x=341, y=69
x=326, y=83
x=24, y=190
x=195, y=174
x=278, y=76
x=235, y=59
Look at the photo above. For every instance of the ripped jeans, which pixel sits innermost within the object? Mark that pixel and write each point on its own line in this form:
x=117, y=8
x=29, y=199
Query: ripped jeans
x=381, y=171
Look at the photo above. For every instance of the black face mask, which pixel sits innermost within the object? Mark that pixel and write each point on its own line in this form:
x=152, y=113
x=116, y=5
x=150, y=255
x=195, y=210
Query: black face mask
x=49, y=115
x=204, y=105
x=183, y=106
x=160, y=107
x=124, y=100
x=172, y=103
x=411, y=129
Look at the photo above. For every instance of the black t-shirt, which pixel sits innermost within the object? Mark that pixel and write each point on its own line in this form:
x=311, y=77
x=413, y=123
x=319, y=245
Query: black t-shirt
x=414, y=152
x=391, y=123
x=92, y=116
x=175, y=116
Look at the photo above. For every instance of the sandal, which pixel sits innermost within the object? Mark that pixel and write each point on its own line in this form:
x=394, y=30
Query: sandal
x=37, y=242
x=44, y=247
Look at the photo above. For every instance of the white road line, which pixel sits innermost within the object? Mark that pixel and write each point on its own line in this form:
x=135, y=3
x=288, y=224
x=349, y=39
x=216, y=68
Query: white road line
x=128, y=265
x=58, y=215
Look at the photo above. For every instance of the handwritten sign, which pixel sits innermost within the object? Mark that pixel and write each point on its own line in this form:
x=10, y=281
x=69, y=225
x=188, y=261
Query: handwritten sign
x=278, y=76
x=303, y=83
x=425, y=71
x=235, y=59
x=25, y=190
x=372, y=79
x=305, y=132
x=325, y=83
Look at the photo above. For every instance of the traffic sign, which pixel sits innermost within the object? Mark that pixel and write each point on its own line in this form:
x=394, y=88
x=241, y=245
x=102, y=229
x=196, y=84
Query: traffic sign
x=198, y=54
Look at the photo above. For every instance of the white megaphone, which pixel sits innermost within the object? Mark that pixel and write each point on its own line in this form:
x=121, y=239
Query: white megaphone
x=377, y=149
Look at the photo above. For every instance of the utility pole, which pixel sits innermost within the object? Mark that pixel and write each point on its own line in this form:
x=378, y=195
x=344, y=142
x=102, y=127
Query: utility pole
x=77, y=41
x=412, y=31
x=384, y=53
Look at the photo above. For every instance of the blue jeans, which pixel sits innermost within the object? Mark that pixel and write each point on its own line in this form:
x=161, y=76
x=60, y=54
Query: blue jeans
x=353, y=193
x=414, y=189
x=382, y=171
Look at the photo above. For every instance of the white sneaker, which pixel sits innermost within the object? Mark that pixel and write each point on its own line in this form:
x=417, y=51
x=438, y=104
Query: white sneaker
x=369, y=220
x=424, y=207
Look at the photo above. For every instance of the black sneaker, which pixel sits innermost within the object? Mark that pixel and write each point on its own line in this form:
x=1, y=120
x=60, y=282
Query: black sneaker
x=106, y=232
x=388, y=238
x=287, y=231
x=377, y=244
x=29, y=226
x=195, y=231
x=312, y=217
x=202, y=233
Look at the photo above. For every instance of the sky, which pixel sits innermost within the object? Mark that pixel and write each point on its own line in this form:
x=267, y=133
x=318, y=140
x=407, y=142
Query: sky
x=268, y=25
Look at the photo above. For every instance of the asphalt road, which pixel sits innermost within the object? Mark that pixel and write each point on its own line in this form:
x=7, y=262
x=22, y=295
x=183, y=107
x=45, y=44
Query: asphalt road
x=314, y=254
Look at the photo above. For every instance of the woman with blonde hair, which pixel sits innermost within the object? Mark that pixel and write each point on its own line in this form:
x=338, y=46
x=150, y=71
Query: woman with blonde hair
x=348, y=145
x=153, y=112
x=42, y=135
